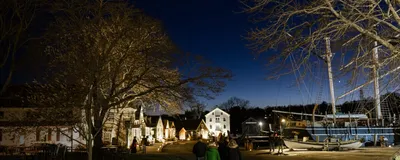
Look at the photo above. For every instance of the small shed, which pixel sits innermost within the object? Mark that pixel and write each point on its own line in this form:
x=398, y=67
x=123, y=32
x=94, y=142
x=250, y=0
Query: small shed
x=182, y=134
x=251, y=127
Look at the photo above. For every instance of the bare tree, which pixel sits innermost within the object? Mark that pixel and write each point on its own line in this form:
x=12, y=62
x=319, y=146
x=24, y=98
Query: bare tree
x=234, y=102
x=106, y=55
x=294, y=33
x=15, y=19
x=196, y=107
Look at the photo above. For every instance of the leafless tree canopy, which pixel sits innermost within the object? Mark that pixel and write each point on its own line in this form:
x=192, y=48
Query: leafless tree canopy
x=234, y=102
x=107, y=55
x=15, y=19
x=295, y=29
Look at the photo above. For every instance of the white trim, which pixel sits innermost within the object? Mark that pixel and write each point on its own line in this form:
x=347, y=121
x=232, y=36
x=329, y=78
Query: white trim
x=218, y=109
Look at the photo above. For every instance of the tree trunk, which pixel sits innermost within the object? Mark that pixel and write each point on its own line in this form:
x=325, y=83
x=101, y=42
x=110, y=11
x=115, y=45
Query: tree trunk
x=89, y=148
x=97, y=133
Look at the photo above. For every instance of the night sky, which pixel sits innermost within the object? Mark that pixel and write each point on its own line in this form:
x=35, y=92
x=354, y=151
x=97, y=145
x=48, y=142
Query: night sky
x=214, y=29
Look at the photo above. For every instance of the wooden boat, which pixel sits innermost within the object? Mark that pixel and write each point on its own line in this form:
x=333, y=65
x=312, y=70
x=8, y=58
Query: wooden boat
x=320, y=145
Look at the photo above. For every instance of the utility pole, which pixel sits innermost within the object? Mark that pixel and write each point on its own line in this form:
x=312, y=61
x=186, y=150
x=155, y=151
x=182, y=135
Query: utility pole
x=375, y=73
x=328, y=59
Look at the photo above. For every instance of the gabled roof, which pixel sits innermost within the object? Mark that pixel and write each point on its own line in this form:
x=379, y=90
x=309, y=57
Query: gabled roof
x=165, y=123
x=217, y=109
x=202, y=125
x=182, y=130
x=250, y=119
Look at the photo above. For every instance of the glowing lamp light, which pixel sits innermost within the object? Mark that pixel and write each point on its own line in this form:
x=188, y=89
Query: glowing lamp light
x=260, y=123
x=283, y=120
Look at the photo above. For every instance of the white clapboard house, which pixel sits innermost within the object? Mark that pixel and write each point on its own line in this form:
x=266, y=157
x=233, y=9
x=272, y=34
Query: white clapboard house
x=218, y=121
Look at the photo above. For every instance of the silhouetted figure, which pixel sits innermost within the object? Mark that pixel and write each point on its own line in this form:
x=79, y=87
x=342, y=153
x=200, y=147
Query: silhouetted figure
x=272, y=142
x=280, y=144
x=199, y=149
x=134, y=145
x=144, y=144
x=223, y=148
x=233, y=151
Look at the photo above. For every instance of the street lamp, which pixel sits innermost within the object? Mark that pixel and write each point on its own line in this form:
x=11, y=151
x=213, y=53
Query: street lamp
x=260, y=123
x=282, y=125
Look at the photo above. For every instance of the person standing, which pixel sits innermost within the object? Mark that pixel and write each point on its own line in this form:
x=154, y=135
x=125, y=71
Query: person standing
x=212, y=152
x=233, y=151
x=144, y=143
x=199, y=149
x=272, y=143
x=223, y=148
x=280, y=144
x=134, y=145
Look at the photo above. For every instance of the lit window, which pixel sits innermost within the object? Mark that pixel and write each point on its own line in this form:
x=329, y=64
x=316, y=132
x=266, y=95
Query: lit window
x=49, y=134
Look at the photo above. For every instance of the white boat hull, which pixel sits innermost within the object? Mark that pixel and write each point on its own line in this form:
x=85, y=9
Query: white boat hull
x=320, y=145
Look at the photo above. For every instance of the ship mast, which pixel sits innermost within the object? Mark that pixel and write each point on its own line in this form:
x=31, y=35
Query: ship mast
x=375, y=73
x=328, y=58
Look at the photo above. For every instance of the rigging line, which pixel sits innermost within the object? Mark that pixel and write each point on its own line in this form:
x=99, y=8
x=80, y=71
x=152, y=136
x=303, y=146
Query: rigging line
x=279, y=91
x=297, y=80
x=297, y=66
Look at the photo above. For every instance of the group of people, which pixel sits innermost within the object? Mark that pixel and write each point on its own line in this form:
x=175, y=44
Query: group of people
x=275, y=139
x=225, y=149
x=134, y=145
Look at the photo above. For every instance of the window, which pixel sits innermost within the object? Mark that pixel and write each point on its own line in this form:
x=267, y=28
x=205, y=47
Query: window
x=217, y=120
x=224, y=119
x=107, y=136
x=58, y=134
x=111, y=116
x=1, y=114
x=210, y=126
x=224, y=126
x=221, y=113
x=213, y=113
x=49, y=134
x=21, y=139
x=210, y=119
